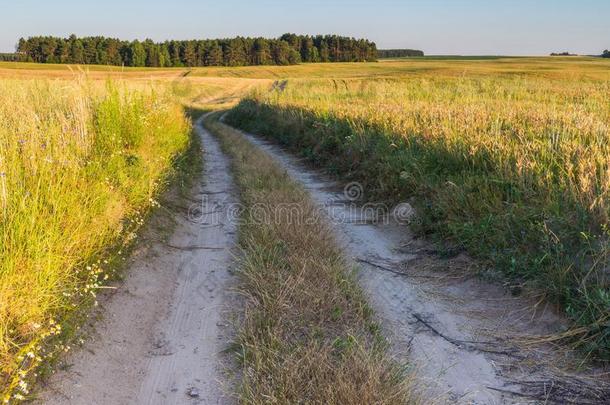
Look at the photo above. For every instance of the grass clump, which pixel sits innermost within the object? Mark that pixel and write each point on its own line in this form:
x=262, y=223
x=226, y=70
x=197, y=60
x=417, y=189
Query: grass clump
x=80, y=164
x=513, y=168
x=307, y=334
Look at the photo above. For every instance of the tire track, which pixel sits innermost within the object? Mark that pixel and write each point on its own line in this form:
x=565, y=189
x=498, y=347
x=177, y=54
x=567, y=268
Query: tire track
x=164, y=330
x=463, y=335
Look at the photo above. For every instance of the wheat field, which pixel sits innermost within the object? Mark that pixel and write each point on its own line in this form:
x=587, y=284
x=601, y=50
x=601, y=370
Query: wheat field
x=506, y=158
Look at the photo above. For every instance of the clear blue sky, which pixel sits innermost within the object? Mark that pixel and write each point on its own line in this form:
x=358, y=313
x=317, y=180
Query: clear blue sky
x=508, y=27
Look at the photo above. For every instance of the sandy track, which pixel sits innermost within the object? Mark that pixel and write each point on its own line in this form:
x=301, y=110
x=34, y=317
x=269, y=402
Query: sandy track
x=460, y=332
x=164, y=329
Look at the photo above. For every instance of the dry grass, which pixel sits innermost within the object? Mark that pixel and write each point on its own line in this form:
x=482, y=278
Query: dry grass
x=575, y=68
x=307, y=335
x=585, y=68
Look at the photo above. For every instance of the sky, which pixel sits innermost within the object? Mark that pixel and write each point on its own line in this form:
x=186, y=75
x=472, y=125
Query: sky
x=438, y=27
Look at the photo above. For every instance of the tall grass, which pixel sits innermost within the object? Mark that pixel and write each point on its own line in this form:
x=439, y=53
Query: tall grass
x=514, y=168
x=79, y=165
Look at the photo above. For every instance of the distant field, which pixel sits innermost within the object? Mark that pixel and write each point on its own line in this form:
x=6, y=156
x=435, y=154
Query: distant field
x=67, y=67
x=469, y=57
x=508, y=158
x=51, y=71
x=590, y=68
x=550, y=67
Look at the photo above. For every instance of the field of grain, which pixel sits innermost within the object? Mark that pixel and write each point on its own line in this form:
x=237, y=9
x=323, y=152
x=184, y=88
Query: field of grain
x=506, y=158
x=80, y=164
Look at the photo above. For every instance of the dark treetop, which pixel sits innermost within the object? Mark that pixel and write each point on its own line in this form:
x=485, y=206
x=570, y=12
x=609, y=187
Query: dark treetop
x=289, y=49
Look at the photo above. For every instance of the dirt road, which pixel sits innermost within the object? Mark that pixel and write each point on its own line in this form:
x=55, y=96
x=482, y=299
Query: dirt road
x=163, y=331
x=466, y=337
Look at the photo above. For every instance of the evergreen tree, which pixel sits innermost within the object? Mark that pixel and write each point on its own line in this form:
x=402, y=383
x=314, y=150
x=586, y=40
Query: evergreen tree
x=281, y=52
x=214, y=55
x=189, y=57
x=101, y=51
x=90, y=53
x=262, y=52
x=200, y=48
x=324, y=52
x=289, y=49
x=62, y=52
x=22, y=45
x=234, y=54
x=398, y=53
x=315, y=55
x=113, y=48
x=293, y=40
x=48, y=46
x=165, y=59
x=153, y=55
x=294, y=57
x=9, y=57
x=77, y=51
x=138, y=54
x=307, y=49
x=174, y=51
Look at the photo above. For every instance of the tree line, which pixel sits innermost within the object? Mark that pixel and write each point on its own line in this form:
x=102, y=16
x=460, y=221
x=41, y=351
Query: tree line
x=563, y=54
x=8, y=57
x=289, y=49
x=606, y=54
x=398, y=53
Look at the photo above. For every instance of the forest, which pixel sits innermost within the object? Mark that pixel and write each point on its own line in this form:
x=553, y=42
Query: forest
x=398, y=53
x=8, y=57
x=289, y=49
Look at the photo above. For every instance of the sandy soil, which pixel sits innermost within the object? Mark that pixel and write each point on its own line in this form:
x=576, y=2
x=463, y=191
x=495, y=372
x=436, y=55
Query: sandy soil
x=163, y=332
x=465, y=336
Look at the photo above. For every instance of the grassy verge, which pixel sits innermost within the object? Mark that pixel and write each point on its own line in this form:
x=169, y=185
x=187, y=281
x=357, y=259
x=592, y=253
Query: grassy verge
x=80, y=168
x=307, y=334
x=516, y=172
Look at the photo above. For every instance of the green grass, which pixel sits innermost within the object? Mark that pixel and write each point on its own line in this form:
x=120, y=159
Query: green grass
x=510, y=161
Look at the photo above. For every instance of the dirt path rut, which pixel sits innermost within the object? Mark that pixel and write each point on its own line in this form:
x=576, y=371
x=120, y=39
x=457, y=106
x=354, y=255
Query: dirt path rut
x=465, y=336
x=163, y=331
